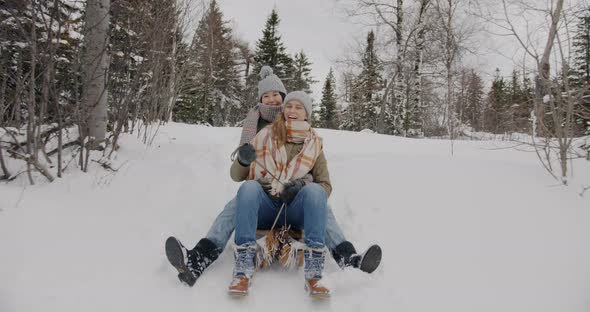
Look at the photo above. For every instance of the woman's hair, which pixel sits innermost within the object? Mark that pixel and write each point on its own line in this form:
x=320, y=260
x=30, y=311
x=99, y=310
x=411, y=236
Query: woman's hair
x=279, y=130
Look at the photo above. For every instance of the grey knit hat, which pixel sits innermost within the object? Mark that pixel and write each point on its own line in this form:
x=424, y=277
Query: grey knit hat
x=269, y=82
x=301, y=97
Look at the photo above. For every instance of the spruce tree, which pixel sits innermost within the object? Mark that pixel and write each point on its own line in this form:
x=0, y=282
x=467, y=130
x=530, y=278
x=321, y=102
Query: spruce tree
x=474, y=99
x=328, y=113
x=302, y=79
x=366, y=94
x=369, y=82
x=496, y=105
x=214, y=84
x=271, y=51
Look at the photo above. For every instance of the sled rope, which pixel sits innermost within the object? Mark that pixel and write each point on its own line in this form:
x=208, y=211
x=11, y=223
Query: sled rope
x=278, y=215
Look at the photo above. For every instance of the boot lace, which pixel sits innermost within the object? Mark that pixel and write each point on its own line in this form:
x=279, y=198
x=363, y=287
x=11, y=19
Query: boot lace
x=245, y=261
x=314, y=263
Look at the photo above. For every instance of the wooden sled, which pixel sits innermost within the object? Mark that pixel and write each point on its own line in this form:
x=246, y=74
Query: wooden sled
x=281, y=245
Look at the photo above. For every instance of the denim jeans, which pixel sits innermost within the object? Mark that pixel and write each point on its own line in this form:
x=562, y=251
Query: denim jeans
x=223, y=226
x=255, y=209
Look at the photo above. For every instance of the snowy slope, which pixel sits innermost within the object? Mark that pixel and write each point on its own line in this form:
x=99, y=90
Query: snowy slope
x=485, y=229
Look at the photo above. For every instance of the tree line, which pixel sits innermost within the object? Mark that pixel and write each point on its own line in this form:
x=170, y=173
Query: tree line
x=76, y=74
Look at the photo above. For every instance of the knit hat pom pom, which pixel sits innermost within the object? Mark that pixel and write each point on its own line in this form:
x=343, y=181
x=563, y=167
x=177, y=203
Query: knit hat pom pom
x=265, y=71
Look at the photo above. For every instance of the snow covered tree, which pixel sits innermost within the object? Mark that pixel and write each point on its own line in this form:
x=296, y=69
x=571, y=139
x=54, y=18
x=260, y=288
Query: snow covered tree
x=57, y=25
x=470, y=99
x=475, y=101
x=328, y=115
x=39, y=43
x=413, y=115
x=145, y=44
x=366, y=96
x=214, y=85
x=509, y=104
x=271, y=51
x=580, y=71
x=496, y=105
x=519, y=97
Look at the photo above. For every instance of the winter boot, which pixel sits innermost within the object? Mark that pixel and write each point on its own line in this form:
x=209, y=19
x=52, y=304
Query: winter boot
x=314, y=266
x=191, y=263
x=243, y=271
x=346, y=256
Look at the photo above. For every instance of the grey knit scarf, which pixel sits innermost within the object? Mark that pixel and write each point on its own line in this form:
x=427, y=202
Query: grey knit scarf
x=267, y=112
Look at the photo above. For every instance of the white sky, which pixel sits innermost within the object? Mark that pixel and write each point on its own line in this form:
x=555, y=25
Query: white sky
x=316, y=27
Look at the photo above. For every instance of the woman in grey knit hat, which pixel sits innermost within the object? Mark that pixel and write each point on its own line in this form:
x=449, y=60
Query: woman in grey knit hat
x=271, y=93
x=191, y=263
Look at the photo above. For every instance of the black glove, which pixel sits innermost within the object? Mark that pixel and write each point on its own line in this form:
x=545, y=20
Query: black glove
x=246, y=154
x=291, y=189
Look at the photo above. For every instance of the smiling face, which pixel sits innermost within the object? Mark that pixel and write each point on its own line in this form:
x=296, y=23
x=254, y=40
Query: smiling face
x=272, y=98
x=295, y=110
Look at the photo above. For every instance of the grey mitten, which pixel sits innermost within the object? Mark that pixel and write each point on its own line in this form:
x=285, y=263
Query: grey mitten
x=291, y=189
x=246, y=154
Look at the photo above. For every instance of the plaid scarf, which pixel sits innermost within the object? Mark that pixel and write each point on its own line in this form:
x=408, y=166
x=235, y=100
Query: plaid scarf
x=267, y=112
x=274, y=159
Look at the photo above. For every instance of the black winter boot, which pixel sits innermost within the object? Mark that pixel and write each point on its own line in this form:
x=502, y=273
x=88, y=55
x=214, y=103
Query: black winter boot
x=191, y=263
x=346, y=256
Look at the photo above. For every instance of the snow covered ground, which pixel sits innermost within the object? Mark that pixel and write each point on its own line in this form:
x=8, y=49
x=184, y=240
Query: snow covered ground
x=485, y=229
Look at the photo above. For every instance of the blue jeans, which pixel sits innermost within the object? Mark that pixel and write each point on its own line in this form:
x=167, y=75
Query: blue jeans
x=256, y=210
x=223, y=226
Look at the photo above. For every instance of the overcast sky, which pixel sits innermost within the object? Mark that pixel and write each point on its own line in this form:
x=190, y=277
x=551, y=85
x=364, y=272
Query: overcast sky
x=324, y=32
x=313, y=26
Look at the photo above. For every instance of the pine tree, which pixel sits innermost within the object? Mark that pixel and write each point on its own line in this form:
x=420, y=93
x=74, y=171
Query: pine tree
x=271, y=51
x=15, y=51
x=145, y=47
x=369, y=81
x=214, y=86
x=302, y=79
x=249, y=81
x=366, y=94
x=496, y=105
x=328, y=117
x=128, y=52
x=474, y=100
x=520, y=101
x=513, y=101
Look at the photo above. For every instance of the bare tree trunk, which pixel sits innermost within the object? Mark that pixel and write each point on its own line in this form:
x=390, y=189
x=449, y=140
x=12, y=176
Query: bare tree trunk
x=31, y=143
x=95, y=66
x=416, y=101
x=543, y=67
x=172, y=81
x=395, y=81
x=59, y=135
x=399, y=41
x=5, y=172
